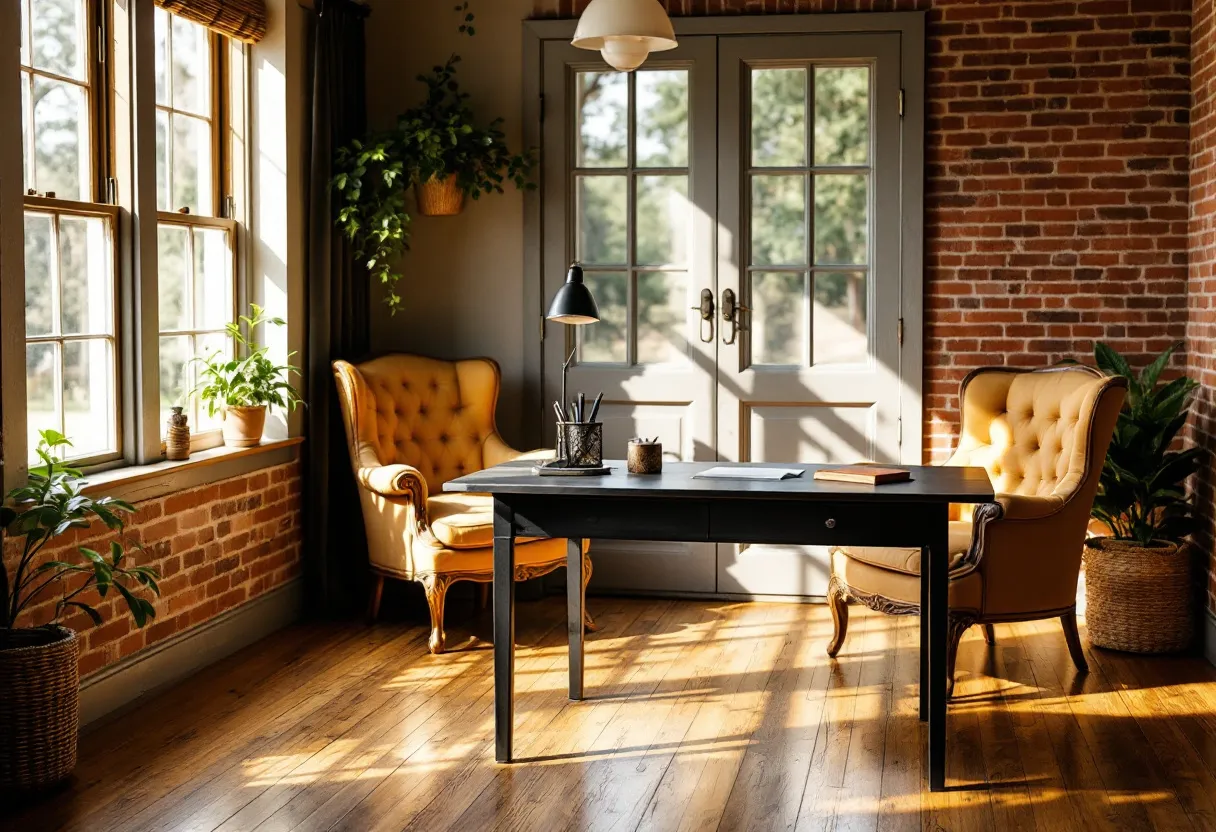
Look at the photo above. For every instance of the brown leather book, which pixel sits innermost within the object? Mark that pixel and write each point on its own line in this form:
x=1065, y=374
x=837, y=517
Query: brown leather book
x=865, y=474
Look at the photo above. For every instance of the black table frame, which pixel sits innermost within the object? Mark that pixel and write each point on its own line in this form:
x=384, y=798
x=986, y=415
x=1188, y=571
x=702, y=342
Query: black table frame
x=721, y=517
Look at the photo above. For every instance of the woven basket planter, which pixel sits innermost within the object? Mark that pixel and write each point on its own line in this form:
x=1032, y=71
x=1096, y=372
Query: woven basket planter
x=1138, y=598
x=39, y=708
x=439, y=197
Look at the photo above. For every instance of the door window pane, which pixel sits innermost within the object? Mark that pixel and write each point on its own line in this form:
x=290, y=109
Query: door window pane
x=664, y=217
x=778, y=318
x=842, y=115
x=603, y=119
x=61, y=138
x=840, y=318
x=662, y=309
x=88, y=396
x=608, y=340
x=778, y=220
x=602, y=219
x=841, y=219
x=778, y=117
x=85, y=265
x=39, y=279
x=662, y=118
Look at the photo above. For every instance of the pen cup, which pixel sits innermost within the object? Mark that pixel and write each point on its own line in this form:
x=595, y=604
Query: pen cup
x=583, y=443
x=645, y=457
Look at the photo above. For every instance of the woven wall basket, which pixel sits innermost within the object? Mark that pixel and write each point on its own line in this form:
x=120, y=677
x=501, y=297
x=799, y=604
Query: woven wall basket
x=439, y=197
x=39, y=708
x=1138, y=598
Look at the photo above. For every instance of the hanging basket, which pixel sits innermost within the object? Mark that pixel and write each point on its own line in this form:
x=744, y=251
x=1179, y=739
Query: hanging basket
x=39, y=708
x=439, y=197
x=1138, y=598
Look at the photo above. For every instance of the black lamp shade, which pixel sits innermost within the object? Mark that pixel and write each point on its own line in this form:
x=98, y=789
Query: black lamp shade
x=573, y=303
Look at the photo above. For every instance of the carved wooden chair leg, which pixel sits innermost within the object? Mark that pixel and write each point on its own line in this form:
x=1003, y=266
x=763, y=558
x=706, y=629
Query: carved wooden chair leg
x=990, y=634
x=839, y=602
x=1069, y=622
x=959, y=624
x=373, y=602
x=588, y=624
x=483, y=596
x=436, y=588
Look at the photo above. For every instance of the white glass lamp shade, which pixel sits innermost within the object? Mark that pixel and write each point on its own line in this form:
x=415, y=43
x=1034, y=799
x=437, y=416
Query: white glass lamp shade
x=624, y=31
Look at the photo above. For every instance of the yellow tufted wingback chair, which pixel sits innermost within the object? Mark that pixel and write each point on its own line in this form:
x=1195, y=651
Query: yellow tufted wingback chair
x=1042, y=436
x=412, y=424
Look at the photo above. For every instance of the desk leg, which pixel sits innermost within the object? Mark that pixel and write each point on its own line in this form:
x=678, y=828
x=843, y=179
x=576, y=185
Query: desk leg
x=939, y=615
x=504, y=631
x=574, y=614
x=924, y=634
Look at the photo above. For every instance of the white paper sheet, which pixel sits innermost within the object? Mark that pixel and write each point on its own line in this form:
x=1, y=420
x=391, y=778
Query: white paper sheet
x=723, y=472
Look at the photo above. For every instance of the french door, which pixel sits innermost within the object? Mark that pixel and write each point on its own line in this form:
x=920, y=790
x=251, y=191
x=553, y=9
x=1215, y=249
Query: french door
x=736, y=207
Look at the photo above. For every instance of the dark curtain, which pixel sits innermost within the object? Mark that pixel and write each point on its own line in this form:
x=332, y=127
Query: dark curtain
x=335, y=552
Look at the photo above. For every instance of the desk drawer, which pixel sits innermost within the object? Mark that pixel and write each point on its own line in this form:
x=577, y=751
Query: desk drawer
x=615, y=518
x=824, y=524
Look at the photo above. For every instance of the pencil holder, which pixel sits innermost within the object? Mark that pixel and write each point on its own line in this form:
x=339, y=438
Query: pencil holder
x=583, y=443
x=645, y=457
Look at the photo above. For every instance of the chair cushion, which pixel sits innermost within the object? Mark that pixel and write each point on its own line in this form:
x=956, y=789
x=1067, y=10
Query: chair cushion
x=907, y=561
x=966, y=590
x=462, y=521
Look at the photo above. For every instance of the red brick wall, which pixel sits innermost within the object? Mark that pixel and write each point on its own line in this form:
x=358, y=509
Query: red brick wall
x=1056, y=181
x=1201, y=319
x=216, y=546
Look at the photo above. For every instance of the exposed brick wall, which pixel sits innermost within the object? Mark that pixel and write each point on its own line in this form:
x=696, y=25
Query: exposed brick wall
x=1056, y=181
x=1201, y=319
x=216, y=546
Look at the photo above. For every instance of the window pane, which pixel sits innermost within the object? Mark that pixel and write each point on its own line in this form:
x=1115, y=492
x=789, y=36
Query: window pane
x=603, y=121
x=662, y=306
x=841, y=219
x=778, y=117
x=174, y=356
x=86, y=284
x=212, y=279
x=88, y=397
x=57, y=36
x=778, y=318
x=61, y=139
x=25, y=34
x=842, y=115
x=778, y=225
x=190, y=185
x=205, y=347
x=27, y=163
x=39, y=274
x=40, y=386
x=663, y=219
x=162, y=56
x=173, y=255
x=602, y=210
x=662, y=118
x=840, y=318
x=164, y=202
x=191, y=76
x=606, y=341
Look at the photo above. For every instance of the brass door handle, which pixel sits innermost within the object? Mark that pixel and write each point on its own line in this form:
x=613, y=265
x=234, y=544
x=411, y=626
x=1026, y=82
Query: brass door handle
x=706, y=308
x=730, y=313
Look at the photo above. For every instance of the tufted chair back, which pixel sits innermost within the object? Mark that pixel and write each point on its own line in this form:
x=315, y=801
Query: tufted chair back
x=1029, y=429
x=433, y=415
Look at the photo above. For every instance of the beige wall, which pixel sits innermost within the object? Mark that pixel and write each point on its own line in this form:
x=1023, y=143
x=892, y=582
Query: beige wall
x=463, y=285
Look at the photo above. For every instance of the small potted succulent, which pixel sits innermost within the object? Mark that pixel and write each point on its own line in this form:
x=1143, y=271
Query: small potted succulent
x=39, y=681
x=242, y=389
x=1138, y=591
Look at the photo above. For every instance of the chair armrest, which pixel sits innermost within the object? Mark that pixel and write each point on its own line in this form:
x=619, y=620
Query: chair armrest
x=495, y=452
x=1021, y=507
x=394, y=481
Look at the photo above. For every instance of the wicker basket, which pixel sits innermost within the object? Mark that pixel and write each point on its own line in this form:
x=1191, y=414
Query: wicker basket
x=39, y=708
x=439, y=197
x=1138, y=598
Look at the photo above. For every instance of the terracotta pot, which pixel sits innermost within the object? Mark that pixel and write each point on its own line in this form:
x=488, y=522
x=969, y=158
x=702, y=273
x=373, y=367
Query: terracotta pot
x=243, y=426
x=39, y=708
x=439, y=197
x=1138, y=598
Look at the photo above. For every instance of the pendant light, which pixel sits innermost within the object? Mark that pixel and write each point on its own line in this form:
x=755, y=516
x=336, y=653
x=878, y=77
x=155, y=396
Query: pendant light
x=624, y=31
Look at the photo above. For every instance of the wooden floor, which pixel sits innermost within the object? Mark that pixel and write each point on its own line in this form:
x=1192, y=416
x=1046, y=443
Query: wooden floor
x=703, y=715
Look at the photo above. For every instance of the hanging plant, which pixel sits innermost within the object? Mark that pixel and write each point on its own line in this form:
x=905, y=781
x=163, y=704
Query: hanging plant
x=434, y=143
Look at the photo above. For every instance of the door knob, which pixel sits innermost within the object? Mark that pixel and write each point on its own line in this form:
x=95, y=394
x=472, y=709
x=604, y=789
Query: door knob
x=730, y=313
x=706, y=308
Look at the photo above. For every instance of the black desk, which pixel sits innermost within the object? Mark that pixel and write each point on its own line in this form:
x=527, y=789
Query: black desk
x=673, y=506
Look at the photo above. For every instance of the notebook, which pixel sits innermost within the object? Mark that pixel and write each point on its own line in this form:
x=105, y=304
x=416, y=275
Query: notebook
x=731, y=472
x=865, y=474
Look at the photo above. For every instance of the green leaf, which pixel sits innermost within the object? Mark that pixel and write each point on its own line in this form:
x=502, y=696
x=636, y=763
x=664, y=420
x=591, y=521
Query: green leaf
x=93, y=615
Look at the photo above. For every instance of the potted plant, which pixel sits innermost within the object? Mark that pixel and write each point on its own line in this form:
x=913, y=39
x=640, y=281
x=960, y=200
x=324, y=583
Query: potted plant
x=1138, y=579
x=241, y=389
x=39, y=683
x=439, y=148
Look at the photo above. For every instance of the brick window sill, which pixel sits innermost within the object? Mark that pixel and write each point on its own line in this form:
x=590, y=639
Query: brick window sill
x=148, y=482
